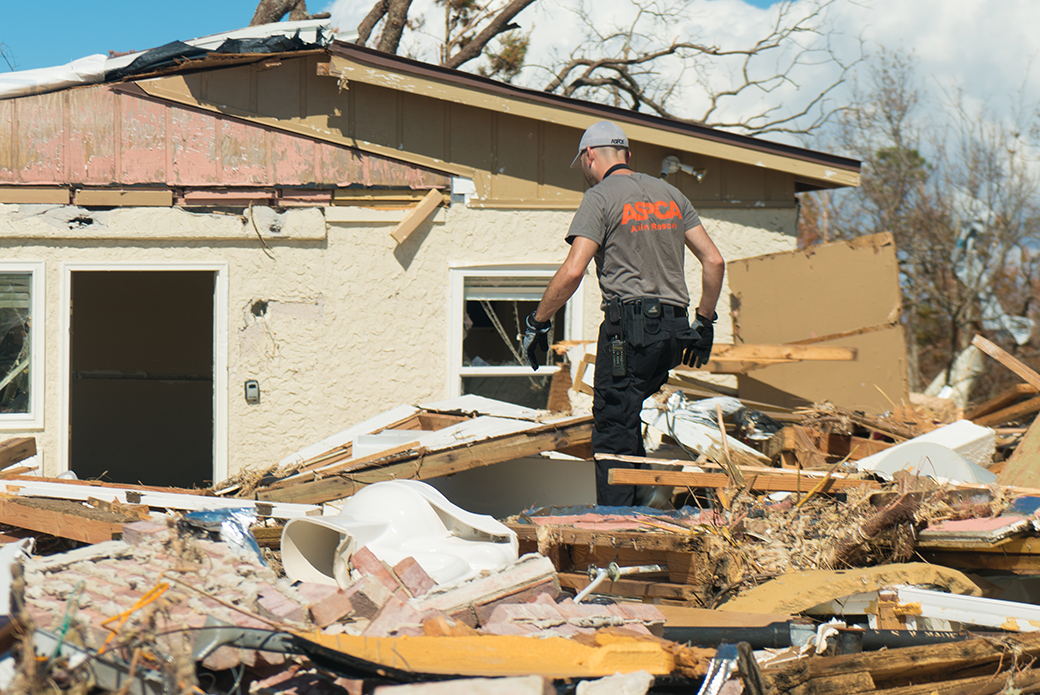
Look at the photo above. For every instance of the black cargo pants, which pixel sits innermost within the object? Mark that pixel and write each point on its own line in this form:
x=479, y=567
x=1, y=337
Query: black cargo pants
x=618, y=400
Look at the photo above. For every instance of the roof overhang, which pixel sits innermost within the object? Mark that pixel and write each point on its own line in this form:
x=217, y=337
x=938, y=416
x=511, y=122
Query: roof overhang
x=811, y=169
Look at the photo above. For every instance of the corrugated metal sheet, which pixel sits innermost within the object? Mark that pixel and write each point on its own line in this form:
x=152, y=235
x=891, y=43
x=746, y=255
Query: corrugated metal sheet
x=97, y=136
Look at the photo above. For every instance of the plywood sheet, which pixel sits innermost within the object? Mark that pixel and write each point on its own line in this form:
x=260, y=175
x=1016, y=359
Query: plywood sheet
x=844, y=288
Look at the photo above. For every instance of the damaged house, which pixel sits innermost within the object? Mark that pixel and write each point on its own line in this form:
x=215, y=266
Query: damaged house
x=212, y=260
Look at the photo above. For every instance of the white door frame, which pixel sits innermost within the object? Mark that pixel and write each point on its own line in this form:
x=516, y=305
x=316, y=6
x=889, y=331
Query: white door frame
x=220, y=351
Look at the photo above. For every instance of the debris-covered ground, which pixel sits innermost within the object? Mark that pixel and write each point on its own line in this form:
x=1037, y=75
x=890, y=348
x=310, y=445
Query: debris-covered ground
x=804, y=551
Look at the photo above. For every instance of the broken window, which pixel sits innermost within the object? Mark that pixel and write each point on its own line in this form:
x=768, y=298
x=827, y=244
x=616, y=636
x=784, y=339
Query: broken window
x=18, y=326
x=489, y=308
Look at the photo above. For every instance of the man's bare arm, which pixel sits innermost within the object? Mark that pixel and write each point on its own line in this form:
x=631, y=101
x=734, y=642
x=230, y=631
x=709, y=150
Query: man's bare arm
x=567, y=278
x=713, y=268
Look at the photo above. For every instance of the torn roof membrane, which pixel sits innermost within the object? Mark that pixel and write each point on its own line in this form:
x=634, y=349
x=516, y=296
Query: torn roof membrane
x=280, y=37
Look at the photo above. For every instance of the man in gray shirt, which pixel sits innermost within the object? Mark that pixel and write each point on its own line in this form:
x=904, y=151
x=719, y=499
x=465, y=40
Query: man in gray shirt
x=636, y=227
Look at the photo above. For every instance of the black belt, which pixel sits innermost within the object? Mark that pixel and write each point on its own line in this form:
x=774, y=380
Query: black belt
x=669, y=311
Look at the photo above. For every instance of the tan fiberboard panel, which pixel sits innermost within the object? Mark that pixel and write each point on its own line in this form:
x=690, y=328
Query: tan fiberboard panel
x=830, y=289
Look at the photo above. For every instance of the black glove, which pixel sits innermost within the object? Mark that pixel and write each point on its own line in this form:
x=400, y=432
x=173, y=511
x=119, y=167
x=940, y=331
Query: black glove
x=536, y=337
x=698, y=351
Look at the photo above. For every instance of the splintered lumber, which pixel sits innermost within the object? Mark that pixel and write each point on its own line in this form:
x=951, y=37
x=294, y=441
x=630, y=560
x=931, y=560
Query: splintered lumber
x=1003, y=400
x=422, y=465
x=1008, y=414
x=741, y=358
x=636, y=540
x=909, y=666
x=1007, y=359
x=762, y=482
x=62, y=519
x=14, y=450
x=635, y=588
x=790, y=353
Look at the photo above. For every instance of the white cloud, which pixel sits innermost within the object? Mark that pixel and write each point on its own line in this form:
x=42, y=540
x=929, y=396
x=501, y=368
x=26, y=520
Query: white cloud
x=985, y=48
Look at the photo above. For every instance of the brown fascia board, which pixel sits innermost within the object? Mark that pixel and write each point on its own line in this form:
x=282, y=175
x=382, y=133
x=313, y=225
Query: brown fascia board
x=396, y=63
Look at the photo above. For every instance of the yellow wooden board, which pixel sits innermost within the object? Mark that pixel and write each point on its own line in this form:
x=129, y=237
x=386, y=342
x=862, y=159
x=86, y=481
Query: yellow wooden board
x=506, y=655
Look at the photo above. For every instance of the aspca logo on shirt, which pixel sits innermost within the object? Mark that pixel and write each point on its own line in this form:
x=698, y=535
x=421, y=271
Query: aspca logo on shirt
x=641, y=211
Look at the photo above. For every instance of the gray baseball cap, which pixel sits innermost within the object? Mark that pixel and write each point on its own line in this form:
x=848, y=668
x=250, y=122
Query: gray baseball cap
x=602, y=134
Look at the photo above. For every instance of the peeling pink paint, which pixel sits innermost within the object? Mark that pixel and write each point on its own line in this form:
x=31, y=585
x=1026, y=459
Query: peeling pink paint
x=91, y=156
x=118, y=139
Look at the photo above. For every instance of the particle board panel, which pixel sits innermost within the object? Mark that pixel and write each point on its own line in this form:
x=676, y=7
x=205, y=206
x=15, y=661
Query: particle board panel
x=801, y=296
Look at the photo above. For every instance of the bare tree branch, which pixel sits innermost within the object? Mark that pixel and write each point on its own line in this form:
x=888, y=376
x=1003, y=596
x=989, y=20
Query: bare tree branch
x=396, y=18
x=498, y=25
x=632, y=64
x=370, y=21
x=271, y=11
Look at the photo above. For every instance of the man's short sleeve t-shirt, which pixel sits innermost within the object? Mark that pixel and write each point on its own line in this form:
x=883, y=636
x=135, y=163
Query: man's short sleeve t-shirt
x=640, y=224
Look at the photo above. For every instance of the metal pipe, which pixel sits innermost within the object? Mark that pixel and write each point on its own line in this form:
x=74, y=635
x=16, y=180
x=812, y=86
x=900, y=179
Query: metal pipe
x=614, y=573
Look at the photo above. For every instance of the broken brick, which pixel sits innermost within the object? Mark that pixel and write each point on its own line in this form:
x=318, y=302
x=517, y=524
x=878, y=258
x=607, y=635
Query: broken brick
x=365, y=562
x=413, y=576
x=331, y=608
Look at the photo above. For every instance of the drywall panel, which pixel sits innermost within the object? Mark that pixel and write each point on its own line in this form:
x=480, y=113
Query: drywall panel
x=835, y=289
x=875, y=382
x=820, y=291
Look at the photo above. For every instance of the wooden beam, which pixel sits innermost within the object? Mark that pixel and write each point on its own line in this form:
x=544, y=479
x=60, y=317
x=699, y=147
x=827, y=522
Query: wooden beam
x=636, y=540
x=801, y=353
x=14, y=512
x=999, y=402
x=122, y=197
x=34, y=195
x=761, y=482
x=14, y=450
x=635, y=588
x=813, y=476
x=417, y=215
x=1008, y=360
x=1008, y=414
x=423, y=465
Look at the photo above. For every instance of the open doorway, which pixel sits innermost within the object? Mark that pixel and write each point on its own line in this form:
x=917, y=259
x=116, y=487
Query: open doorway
x=141, y=390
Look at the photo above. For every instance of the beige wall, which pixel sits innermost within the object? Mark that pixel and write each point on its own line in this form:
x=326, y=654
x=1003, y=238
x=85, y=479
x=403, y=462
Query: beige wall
x=355, y=324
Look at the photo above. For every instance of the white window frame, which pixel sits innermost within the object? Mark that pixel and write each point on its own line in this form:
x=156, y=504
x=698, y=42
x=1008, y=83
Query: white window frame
x=32, y=420
x=220, y=350
x=572, y=328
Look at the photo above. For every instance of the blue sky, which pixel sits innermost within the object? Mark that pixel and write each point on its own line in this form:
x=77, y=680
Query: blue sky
x=70, y=29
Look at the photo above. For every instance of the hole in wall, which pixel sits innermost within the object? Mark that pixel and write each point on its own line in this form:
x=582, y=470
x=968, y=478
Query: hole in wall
x=259, y=308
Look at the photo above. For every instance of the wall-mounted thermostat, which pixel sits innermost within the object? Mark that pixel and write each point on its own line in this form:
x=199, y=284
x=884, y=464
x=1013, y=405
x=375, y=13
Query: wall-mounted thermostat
x=252, y=391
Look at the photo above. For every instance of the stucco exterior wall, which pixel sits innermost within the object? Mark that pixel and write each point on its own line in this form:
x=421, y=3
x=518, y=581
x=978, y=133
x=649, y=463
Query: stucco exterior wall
x=333, y=319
